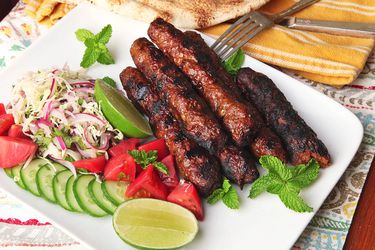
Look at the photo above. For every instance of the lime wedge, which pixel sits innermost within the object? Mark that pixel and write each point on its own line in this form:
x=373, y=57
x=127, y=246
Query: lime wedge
x=120, y=112
x=154, y=224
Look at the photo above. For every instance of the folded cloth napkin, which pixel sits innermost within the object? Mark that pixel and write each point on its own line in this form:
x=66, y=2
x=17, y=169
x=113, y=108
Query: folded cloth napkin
x=329, y=59
x=47, y=11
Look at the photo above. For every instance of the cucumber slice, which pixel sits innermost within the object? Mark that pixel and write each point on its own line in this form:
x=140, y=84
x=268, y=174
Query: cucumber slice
x=70, y=198
x=16, y=172
x=44, y=178
x=97, y=195
x=59, y=187
x=115, y=191
x=28, y=175
x=86, y=202
x=8, y=172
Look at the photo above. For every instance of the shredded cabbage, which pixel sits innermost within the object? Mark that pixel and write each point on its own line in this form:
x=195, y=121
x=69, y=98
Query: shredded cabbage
x=57, y=109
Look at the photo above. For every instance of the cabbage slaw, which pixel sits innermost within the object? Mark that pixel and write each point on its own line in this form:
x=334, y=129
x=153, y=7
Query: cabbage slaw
x=58, y=111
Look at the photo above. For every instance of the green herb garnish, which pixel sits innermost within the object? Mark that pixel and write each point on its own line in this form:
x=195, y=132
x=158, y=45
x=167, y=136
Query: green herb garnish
x=145, y=159
x=227, y=193
x=286, y=182
x=234, y=63
x=96, y=50
x=109, y=81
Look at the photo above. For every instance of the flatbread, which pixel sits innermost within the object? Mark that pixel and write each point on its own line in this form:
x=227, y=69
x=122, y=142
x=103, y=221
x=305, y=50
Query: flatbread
x=182, y=13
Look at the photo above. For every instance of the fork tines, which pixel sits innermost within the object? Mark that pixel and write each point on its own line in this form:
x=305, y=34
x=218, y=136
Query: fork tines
x=240, y=33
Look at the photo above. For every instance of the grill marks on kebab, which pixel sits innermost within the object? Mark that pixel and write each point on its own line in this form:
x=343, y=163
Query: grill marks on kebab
x=194, y=116
x=193, y=161
x=300, y=140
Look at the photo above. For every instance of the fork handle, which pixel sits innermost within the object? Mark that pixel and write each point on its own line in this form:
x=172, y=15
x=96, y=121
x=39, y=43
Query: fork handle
x=293, y=9
x=336, y=28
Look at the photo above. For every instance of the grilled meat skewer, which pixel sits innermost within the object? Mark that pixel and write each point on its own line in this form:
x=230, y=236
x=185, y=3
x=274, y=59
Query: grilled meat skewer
x=176, y=91
x=300, y=140
x=265, y=142
x=193, y=161
x=239, y=119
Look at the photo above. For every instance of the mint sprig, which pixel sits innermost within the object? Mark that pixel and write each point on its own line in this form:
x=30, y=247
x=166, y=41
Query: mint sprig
x=234, y=63
x=227, y=193
x=286, y=182
x=96, y=50
x=109, y=81
x=144, y=159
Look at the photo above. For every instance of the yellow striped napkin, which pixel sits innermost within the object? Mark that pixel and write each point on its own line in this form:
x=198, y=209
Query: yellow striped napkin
x=330, y=59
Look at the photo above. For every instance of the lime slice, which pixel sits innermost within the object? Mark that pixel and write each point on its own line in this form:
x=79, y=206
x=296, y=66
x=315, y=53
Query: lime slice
x=120, y=112
x=154, y=224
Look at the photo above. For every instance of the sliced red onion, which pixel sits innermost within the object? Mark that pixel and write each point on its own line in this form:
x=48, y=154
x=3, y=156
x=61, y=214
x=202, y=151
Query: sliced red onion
x=104, y=141
x=87, y=153
x=53, y=87
x=45, y=125
x=84, y=90
x=61, y=143
x=87, y=84
x=85, y=117
x=54, y=71
x=59, y=114
x=33, y=128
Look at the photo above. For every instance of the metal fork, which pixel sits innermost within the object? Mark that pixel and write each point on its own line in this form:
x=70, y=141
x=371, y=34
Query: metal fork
x=249, y=26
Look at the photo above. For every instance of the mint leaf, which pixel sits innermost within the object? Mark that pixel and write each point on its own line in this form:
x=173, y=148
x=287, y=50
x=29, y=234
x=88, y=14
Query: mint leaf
x=109, y=81
x=227, y=193
x=90, y=57
x=294, y=202
x=231, y=199
x=304, y=175
x=286, y=182
x=275, y=166
x=83, y=34
x=104, y=35
x=161, y=167
x=215, y=196
x=145, y=159
x=234, y=63
x=260, y=185
x=106, y=57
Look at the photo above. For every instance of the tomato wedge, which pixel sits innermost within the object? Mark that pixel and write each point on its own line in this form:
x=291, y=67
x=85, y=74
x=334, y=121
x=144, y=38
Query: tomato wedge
x=148, y=180
x=171, y=180
x=2, y=109
x=123, y=147
x=93, y=165
x=16, y=131
x=186, y=195
x=158, y=145
x=14, y=151
x=120, y=168
x=6, y=121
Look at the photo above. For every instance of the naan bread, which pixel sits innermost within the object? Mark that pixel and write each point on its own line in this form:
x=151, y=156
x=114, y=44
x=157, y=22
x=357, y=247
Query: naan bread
x=182, y=13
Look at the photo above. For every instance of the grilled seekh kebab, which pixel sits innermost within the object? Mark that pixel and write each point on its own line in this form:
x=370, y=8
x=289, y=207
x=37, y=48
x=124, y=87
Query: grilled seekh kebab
x=194, y=162
x=241, y=121
x=301, y=141
x=265, y=142
x=176, y=91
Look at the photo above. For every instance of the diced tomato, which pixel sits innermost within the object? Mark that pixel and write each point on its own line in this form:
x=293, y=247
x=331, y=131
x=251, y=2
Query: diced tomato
x=120, y=168
x=123, y=147
x=170, y=180
x=94, y=165
x=16, y=131
x=187, y=196
x=6, y=121
x=14, y=151
x=2, y=109
x=158, y=145
x=149, y=181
